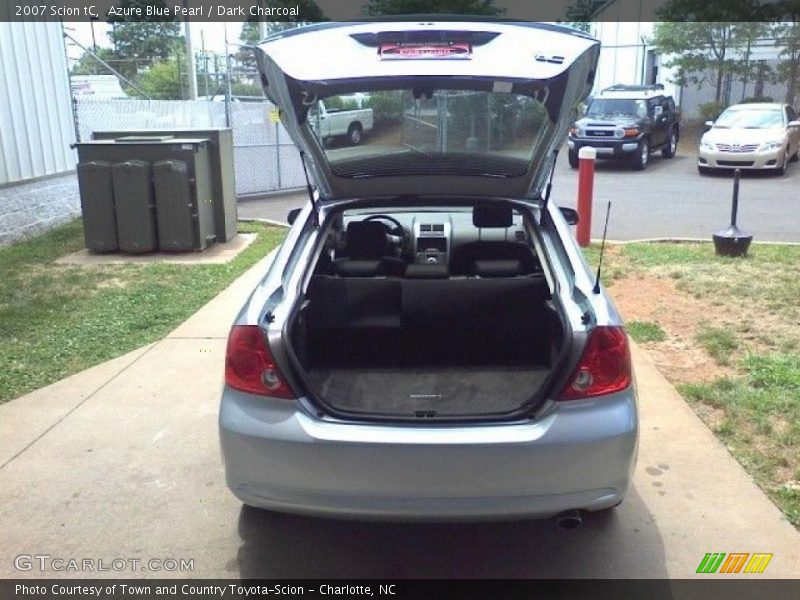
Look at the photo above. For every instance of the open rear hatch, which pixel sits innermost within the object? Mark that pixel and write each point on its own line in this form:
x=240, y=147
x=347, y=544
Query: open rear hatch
x=449, y=100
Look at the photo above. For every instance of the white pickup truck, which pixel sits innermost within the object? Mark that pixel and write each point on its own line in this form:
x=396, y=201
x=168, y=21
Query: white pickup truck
x=352, y=124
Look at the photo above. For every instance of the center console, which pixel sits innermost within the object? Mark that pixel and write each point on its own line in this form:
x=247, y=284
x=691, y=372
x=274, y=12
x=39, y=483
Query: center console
x=431, y=240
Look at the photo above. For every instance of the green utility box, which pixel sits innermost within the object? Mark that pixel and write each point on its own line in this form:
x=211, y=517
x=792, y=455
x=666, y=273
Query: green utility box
x=97, y=206
x=178, y=189
x=184, y=209
x=223, y=182
x=133, y=201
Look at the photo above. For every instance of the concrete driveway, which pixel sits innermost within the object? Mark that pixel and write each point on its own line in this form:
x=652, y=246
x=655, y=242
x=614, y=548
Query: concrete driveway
x=669, y=199
x=122, y=462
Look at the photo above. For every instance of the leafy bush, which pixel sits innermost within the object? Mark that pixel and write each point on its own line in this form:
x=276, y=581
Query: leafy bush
x=709, y=111
x=387, y=107
x=246, y=89
x=340, y=103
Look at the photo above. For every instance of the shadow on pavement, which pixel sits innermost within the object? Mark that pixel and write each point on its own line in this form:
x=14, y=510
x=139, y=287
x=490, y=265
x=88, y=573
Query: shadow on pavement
x=621, y=543
x=656, y=163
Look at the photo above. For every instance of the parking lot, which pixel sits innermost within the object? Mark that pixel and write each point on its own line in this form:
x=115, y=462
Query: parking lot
x=670, y=199
x=667, y=200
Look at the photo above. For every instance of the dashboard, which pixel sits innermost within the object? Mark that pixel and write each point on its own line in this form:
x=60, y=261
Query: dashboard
x=434, y=235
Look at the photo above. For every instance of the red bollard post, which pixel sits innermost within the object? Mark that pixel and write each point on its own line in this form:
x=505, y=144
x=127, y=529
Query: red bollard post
x=586, y=158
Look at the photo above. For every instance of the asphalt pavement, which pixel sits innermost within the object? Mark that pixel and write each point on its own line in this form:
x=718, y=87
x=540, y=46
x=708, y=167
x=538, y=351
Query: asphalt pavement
x=669, y=199
x=122, y=462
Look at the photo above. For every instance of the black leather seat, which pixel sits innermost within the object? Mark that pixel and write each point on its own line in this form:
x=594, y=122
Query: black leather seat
x=496, y=216
x=367, y=249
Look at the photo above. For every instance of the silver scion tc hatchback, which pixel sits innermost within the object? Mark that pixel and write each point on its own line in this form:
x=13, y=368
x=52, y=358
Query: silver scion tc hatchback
x=428, y=341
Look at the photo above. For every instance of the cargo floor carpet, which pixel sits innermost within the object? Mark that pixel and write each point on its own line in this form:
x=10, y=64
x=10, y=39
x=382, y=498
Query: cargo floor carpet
x=449, y=391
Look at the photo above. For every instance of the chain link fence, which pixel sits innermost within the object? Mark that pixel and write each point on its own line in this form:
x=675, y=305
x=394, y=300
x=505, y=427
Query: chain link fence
x=265, y=158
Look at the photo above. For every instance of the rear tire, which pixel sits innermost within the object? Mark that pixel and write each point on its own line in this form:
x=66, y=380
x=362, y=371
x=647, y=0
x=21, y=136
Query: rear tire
x=642, y=156
x=355, y=134
x=671, y=147
x=573, y=159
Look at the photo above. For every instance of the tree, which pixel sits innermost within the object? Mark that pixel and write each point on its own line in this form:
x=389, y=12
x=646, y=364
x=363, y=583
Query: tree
x=581, y=12
x=309, y=12
x=702, y=35
x=787, y=36
x=749, y=34
x=164, y=80
x=250, y=36
x=420, y=7
x=696, y=47
x=89, y=65
x=141, y=42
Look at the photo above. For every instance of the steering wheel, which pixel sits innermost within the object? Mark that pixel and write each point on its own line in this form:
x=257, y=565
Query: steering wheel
x=398, y=230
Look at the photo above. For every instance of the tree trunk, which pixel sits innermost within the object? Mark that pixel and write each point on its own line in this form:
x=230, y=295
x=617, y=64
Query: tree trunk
x=721, y=64
x=794, y=72
x=746, y=77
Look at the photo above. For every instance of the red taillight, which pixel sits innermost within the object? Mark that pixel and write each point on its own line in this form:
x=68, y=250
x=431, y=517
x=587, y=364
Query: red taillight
x=249, y=365
x=605, y=366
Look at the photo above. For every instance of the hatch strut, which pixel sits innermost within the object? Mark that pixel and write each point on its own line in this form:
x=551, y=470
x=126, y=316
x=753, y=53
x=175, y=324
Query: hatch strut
x=310, y=189
x=549, y=187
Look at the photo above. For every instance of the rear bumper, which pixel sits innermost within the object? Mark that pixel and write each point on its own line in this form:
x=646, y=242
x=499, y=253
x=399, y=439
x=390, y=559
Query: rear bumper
x=605, y=148
x=278, y=456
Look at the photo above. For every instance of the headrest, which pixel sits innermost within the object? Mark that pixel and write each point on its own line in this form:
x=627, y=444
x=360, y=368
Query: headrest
x=492, y=215
x=359, y=268
x=497, y=268
x=366, y=239
x=425, y=271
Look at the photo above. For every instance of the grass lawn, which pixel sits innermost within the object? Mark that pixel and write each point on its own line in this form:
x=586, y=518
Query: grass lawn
x=736, y=325
x=56, y=320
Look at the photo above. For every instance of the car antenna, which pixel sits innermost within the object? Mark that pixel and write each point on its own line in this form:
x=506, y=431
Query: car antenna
x=310, y=189
x=548, y=188
x=596, y=288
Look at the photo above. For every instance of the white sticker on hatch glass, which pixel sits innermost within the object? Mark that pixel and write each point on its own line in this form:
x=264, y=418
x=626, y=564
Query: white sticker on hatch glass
x=502, y=87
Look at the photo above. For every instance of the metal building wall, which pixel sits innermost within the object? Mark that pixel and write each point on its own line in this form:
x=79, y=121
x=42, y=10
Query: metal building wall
x=36, y=125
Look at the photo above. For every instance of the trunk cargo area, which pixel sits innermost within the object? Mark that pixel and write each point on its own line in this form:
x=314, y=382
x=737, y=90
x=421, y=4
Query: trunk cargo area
x=455, y=347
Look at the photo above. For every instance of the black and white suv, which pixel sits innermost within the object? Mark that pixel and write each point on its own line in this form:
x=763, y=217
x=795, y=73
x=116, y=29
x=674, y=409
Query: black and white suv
x=628, y=122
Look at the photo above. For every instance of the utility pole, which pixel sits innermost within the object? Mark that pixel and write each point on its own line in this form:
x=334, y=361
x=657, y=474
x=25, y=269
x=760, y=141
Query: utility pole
x=227, y=78
x=205, y=59
x=190, y=58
